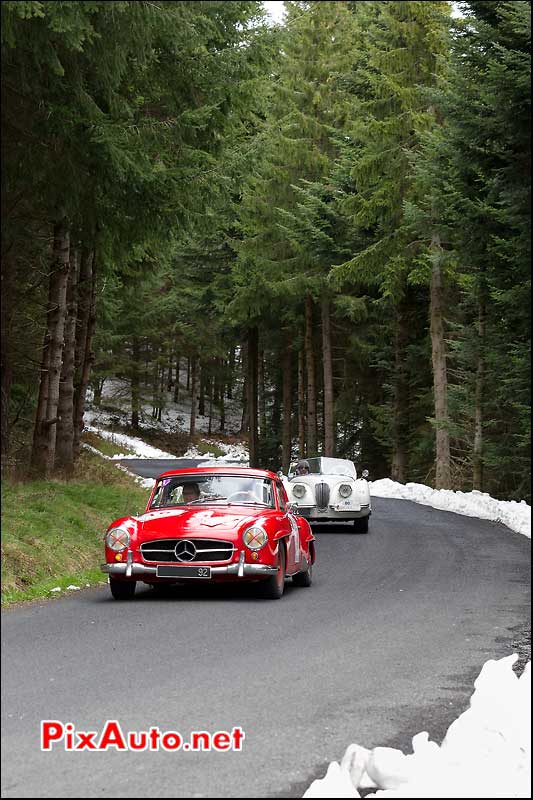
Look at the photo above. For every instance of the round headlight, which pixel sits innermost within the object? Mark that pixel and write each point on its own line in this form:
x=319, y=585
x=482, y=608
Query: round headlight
x=255, y=538
x=298, y=490
x=345, y=490
x=117, y=539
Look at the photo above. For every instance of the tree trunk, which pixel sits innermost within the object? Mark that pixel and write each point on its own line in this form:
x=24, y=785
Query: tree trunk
x=86, y=288
x=287, y=408
x=301, y=404
x=245, y=415
x=400, y=408
x=64, y=458
x=169, y=372
x=7, y=382
x=440, y=378
x=45, y=431
x=222, y=413
x=253, y=358
x=311, y=379
x=135, y=383
x=98, y=388
x=194, y=393
x=261, y=393
x=231, y=372
x=177, y=384
x=329, y=421
x=162, y=383
x=155, y=382
x=8, y=310
x=188, y=374
x=88, y=359
x=210, y=391
x=477, y=480
x=201, y=400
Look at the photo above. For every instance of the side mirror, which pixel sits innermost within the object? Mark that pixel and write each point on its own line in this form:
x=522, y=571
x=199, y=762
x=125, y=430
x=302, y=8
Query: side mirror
x=365, y=473
x=293, y=508
x=279, y=473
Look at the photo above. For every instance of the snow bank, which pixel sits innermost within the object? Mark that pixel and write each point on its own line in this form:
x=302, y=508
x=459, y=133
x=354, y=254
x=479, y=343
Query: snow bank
x=146, y=483
x=139, y=448
x=486, y=751
x=516, y=516
x=232, y=453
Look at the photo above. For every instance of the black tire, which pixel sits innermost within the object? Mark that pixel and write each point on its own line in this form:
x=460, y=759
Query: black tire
x=122, y=590
x=360, y=525
x=273, y=587
x=304, y=578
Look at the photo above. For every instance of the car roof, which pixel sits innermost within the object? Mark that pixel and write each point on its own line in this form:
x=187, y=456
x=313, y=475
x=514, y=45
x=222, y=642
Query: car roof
x=230, y=469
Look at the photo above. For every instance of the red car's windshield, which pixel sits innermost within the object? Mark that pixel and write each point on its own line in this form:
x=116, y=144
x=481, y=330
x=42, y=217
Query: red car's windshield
x=222, y=490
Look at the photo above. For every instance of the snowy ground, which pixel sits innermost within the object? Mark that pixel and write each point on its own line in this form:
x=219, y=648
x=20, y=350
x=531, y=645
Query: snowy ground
x=487, y=750
x=516, y=516
x=116, y=395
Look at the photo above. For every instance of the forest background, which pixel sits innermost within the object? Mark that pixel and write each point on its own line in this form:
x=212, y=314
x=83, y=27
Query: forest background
x=327, y=219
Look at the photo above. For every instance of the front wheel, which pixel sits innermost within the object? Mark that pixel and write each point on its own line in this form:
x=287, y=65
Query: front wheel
x=122, y=590
x=273, y=587
x=360, y=525
x=304, y=578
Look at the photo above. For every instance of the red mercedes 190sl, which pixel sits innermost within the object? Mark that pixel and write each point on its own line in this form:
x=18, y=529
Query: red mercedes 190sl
x=211, y=523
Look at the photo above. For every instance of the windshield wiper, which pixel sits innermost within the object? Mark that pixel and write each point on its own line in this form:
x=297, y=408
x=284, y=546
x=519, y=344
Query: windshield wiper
x=207, y=499
x=249, y=503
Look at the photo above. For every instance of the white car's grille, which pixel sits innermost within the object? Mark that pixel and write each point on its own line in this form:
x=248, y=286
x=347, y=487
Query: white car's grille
x=322, y=495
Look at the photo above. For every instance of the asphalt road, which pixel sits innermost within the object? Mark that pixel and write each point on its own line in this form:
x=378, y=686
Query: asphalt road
x=386, y=643
x=152, y=467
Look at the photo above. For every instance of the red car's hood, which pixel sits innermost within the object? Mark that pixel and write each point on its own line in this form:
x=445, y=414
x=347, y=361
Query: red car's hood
x=209, y=522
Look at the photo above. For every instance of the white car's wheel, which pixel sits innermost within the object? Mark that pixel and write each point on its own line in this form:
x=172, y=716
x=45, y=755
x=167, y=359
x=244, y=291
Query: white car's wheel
x=360, y=525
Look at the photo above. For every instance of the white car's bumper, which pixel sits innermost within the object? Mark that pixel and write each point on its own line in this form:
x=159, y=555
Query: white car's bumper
x=338, y=513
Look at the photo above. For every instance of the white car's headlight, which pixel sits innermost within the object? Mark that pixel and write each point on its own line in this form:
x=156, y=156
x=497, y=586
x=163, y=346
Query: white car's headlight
x=345, y=490
x=255, y=537
x=117, y=539
x=298, y=490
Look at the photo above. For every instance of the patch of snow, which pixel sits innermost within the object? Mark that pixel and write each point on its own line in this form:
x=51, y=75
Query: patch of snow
x=116, y=392
x=486, y=751
x=516, y=516
x=232, y=453
x=56, y=589
x=146, y=483
x=139, y=448
x=73, y=588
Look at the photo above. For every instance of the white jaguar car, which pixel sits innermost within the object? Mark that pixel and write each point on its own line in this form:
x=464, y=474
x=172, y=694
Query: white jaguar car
x=328, y=490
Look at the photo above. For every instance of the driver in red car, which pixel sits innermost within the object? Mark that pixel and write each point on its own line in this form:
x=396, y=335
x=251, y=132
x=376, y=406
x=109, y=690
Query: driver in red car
x=190, y=492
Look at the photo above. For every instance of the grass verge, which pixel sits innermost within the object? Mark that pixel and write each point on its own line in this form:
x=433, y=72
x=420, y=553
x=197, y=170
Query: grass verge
x=52, y=531
x=106, y=446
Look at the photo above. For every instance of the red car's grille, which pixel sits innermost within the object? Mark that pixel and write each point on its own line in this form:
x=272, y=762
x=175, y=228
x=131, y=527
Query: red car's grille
x=188, y=552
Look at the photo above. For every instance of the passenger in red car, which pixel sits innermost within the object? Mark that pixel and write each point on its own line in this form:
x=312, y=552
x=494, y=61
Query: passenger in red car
x=190, y=492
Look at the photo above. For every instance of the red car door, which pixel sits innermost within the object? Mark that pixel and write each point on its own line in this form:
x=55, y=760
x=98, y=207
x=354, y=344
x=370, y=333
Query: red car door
x=290, y=524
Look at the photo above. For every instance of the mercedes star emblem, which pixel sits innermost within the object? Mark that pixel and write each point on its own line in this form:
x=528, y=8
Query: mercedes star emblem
x=185, y=550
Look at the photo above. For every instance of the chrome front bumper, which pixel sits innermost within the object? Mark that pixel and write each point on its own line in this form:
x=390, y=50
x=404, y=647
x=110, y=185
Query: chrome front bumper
x=131, y=569
x=315, y=514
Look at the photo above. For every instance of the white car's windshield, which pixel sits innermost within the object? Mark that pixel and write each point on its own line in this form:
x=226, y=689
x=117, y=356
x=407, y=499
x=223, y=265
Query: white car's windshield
x=213, y=490
x=328, y=466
